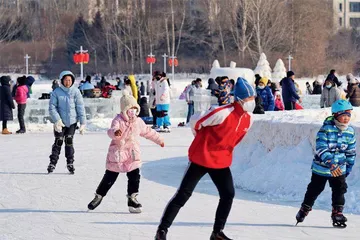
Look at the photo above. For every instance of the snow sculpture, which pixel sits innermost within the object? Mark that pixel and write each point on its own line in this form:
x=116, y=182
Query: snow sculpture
x=279, y=70
x=263, y=67
x=232, y=72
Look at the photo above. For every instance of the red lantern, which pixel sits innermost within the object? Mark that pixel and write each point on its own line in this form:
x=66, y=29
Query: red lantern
x=176, y=62
x=86, y=58
x=148, y=60
x=170, y=61
x=153, y=60
x=76, y=58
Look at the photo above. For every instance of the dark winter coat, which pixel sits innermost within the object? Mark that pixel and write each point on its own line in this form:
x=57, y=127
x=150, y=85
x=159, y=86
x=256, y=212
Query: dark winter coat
x=6, y=100
x=317, y=89
x=267, y=98
x=212, y=86
x=223, y=93
x=29, y=82
x=288, y=90
x=142, y=90
x=259, y=109
x=144, y=108
x=354, y=94
x=333, y=78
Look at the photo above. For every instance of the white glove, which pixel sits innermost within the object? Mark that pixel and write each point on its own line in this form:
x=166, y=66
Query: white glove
x=82, y=129
x=58, y=126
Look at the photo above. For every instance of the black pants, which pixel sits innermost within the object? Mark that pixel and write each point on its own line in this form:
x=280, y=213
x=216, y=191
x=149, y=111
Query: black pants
x=223, y=181
x=316, y=186
x=289, y=105
x=4, y=124
x=67, y=136
x=21, y=113
x=110, y=177
x=154, y=114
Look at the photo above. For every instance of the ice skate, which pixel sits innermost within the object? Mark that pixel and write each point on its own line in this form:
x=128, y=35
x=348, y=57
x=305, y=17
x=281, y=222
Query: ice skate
x=303, y=212
x=159, y=129
x=51, y=168
x=95, y=202
x=70, y=168
x=167, y=129
x=338, y=218
x=160, y=235
x=219, y=236
x=133, y=204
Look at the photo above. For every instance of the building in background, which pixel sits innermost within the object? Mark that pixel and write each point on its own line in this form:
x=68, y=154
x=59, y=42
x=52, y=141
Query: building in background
x=347, y=13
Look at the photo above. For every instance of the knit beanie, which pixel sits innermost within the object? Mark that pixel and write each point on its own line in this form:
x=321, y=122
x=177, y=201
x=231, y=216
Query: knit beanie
x=243, y=89
x=127, y=101
x=264, y=81
x=290, y=73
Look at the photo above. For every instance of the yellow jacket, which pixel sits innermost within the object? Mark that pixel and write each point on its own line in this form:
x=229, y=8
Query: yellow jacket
x=133, y=86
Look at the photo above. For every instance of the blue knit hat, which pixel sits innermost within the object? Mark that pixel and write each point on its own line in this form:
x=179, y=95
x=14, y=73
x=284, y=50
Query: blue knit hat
x=243, y=89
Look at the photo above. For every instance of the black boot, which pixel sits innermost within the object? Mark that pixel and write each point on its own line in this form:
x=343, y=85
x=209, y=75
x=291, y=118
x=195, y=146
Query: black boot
x=133, y=203
x=70, y=168
x=337, y=217
x=160, y=234
x=219, y=236
x=303, y=212
x=95, y=202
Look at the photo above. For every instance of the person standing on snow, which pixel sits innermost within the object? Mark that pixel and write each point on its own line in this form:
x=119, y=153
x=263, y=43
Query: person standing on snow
x=66, y=108
x=216, y=132
x=20, y=98
x=6, y=103
x=124, y=152
x=329, y=94
x=162, y=95
x=264, y=91
x=289, y=91
x=333, y=162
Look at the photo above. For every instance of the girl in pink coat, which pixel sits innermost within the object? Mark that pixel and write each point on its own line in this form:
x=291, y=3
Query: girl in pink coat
x=124, y=152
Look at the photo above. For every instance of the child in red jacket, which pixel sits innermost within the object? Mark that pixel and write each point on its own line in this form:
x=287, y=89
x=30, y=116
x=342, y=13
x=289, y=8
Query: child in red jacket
x=216, y=132
x=279, y=106
x=21, y=95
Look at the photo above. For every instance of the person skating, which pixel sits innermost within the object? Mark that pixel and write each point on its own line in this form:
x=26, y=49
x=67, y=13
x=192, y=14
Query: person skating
x=124, y=152
x=333, y=162
x=6, y=104
x=66, y=108
x=216, y=132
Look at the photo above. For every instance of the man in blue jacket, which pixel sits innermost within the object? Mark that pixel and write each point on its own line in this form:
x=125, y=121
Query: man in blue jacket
x=289, y=92
x=66, y=108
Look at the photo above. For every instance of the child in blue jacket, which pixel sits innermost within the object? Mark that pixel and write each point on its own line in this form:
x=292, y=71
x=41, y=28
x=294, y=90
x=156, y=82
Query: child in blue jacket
x=333, y=161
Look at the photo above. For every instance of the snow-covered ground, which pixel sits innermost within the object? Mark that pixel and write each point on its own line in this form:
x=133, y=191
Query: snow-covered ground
x=35, y=205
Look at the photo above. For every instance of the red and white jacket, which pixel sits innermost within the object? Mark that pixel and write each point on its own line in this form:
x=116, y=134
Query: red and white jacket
x=217, y=132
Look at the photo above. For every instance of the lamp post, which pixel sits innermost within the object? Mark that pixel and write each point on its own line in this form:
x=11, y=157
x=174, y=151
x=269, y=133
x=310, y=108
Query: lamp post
x=150, y=60
x=173, y=66
x=164, y=56
x=27, y=63
x=289, y=58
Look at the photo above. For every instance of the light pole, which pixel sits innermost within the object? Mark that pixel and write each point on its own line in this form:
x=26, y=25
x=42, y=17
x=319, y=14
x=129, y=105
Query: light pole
x=27, y=63
x=289, y=58
x=82, y=63
x=164, y=56
x=151, y=56
x=173, y=66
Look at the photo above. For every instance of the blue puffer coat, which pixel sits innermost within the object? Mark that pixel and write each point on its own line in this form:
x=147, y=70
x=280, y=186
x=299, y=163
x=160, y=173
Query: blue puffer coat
x=67, y=104
x=334, y=146
x=267, y=98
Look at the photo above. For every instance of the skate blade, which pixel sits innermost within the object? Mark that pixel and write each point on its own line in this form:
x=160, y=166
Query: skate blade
x=296, y=224
x=339, y=225
x=134, y=210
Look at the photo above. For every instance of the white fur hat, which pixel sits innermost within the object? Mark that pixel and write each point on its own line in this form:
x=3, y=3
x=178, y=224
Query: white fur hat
x=127, y=101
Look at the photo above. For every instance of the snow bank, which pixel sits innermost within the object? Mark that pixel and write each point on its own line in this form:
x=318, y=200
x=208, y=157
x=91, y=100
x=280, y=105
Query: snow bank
x=276, y=155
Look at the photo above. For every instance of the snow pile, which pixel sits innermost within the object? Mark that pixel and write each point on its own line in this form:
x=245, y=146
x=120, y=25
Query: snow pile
x=231, y=72
x=263, y=67
x=279, y=71
x=276, y=155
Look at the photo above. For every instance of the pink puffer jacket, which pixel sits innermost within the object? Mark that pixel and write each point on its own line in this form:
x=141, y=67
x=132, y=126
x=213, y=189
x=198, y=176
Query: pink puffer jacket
x=124, y=150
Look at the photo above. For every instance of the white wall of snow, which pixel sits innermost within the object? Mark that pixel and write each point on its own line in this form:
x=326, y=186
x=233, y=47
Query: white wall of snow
x=276, y=155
